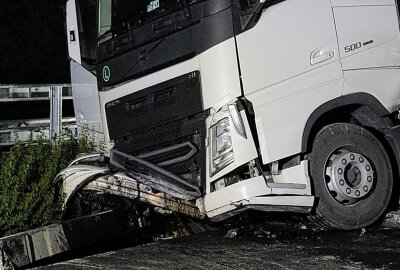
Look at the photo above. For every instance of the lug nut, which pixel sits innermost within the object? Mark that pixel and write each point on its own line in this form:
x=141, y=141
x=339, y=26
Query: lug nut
x=357, y=193
x=352, y=157
x=369, y=178
x=368, y=167
x=341, y=182
x=365, y=188
x=344, y=161
x=340, y=171
x=361, y=159
x=348, y=191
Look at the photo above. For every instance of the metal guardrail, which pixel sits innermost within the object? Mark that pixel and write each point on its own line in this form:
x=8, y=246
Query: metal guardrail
x=24, y=129
x=12, y=132
x=11, y=93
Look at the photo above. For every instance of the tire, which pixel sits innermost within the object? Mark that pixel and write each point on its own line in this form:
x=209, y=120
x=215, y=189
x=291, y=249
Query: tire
x=352, y=177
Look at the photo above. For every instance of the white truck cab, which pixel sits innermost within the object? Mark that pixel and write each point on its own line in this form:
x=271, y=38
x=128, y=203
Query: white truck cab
x=270, y=105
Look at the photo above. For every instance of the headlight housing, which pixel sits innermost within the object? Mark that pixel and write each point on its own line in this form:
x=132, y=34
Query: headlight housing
x=221, y=146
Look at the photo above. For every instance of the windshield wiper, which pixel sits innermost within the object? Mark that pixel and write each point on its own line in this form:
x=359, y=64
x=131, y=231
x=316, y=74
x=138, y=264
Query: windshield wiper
x=128, y=28
x=106, y=33
x=125, y=25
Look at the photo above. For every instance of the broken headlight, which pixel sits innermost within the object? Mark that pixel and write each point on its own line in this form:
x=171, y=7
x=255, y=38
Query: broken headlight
x=221, y=146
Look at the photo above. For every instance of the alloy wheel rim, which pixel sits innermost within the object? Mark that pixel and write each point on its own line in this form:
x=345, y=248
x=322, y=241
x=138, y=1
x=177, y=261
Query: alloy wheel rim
x=349, y=176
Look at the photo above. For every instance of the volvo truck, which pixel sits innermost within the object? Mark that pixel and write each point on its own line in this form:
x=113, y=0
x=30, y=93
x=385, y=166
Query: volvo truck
x=219, y=107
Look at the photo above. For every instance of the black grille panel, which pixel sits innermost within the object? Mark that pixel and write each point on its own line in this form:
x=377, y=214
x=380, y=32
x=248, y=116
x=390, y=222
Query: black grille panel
x=159, y=117
x=157, y=105
x=146, y=140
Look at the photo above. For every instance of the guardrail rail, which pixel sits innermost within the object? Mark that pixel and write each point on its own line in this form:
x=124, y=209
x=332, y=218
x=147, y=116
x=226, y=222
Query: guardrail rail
x=21, y=126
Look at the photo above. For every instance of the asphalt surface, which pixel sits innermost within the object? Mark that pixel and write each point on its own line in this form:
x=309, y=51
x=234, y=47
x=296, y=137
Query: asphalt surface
x=285, y=244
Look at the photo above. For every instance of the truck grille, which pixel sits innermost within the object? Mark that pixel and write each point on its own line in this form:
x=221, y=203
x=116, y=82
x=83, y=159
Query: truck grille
x=164, y=125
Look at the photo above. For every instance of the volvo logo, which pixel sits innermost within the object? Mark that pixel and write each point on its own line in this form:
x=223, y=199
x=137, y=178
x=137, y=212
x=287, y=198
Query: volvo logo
x=106, y=73
x=143, y=58
x=112, y=103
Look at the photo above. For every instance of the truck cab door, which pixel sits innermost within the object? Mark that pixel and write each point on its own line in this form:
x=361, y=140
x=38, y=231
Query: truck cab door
x=289, y=61
x=82, y=45
x=74, y=50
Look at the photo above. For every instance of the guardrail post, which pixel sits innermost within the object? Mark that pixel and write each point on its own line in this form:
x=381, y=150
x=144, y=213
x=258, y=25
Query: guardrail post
x=55, y=112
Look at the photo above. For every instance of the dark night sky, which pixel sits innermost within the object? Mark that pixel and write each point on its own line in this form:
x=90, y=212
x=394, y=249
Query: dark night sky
x=33, y=46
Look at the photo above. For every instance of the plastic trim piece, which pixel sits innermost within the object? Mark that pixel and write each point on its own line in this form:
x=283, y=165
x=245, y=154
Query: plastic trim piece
x=187, y=156
x=154, y=176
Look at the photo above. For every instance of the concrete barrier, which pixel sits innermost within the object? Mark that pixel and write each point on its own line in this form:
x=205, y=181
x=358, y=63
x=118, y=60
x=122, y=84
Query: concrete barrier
x=31, y=246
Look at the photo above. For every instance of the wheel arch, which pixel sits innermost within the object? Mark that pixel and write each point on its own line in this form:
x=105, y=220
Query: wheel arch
x=336, y=110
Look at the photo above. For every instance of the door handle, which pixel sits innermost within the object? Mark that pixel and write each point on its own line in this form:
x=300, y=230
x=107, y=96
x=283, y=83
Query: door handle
x=321, y=55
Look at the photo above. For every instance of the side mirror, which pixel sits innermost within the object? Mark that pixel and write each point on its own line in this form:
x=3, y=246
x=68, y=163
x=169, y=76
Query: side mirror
x=247, y=4
x=251, y=9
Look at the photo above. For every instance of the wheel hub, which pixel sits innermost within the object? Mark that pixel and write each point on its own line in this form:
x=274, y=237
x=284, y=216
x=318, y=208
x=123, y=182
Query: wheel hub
x=349, y=176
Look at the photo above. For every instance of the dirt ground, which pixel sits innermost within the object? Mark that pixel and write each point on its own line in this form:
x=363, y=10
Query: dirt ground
x=284, y=244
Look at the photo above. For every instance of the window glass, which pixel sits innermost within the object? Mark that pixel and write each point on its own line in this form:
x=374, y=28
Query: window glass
x=116, y=16
x=104, y=16
x=87, y=23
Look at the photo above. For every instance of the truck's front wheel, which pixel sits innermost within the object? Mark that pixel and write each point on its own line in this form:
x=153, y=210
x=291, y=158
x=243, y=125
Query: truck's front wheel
x=352, y=177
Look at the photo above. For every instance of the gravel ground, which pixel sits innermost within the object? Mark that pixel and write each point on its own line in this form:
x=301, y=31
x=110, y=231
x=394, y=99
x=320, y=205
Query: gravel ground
x=272, y=245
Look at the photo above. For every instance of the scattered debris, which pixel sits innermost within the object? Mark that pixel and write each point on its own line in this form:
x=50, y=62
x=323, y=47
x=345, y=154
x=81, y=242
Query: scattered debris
x=162, y=237
x=392, y=220
x=232, y=233
x=304, y=227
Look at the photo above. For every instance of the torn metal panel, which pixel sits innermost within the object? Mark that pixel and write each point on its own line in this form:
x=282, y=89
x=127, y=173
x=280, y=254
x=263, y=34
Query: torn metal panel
x=124, y=186
x=75, y=177
x=154, y=176
x=89, y=157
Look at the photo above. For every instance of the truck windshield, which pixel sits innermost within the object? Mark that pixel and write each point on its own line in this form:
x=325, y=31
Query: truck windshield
x=116, y=16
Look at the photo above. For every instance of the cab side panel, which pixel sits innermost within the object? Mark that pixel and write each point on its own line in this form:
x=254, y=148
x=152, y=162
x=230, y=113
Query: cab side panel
x=290, y=65
x=370, y=48
x=366, y=42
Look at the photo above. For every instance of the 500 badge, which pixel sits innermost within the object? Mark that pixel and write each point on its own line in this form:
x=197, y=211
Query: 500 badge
x=357, y=46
